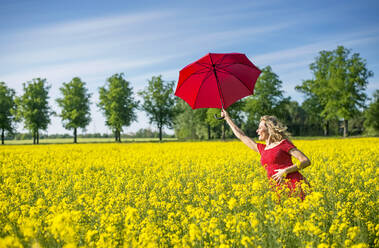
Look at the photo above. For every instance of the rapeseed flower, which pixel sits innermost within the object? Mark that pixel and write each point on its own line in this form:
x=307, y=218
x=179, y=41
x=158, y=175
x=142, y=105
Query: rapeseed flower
x=199, y=194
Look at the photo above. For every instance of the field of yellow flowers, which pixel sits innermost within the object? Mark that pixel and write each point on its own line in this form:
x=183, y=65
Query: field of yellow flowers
x=190, y=194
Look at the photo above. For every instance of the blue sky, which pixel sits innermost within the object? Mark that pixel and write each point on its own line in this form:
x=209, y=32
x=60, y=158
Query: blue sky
x=59, y=40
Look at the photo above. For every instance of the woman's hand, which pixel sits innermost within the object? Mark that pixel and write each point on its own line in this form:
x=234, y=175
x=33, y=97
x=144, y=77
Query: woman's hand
x=224, y=114
x=280, y=175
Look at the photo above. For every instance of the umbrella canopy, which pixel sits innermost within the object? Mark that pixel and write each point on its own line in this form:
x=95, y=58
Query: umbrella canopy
x=217, y=80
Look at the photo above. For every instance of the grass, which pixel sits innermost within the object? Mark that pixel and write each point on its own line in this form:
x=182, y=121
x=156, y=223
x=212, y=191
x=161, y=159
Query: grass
x=129, y=140
x=84, y=140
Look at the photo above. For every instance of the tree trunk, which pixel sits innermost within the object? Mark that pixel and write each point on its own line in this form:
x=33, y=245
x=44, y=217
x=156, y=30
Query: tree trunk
x=75, y=136
x=2, y=136
x=34, y=137
x=37, y=137
x=345, y=128
x=160, y=133
x=117, y=135
x=209, y=132
x=223, y=130
x=326, y=129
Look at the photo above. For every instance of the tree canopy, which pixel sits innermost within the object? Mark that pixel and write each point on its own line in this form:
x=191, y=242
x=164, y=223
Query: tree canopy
x=117, y=103
x=159, y=102
x=7, y=110
x=189, y=123
x=33, y=107
x=338, y=84
x=75, y=104
x=268, y=99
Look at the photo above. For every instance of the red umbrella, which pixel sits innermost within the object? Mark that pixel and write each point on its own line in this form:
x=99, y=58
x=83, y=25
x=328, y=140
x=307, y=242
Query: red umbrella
x=217, y=80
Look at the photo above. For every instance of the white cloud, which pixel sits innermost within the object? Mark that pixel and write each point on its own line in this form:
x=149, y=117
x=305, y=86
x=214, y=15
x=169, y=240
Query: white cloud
x=289, y=58
x=93, y=26
x=63, y=72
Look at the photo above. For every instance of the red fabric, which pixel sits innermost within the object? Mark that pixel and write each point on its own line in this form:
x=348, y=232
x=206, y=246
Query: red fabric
x=278, y=157
x=217, y=80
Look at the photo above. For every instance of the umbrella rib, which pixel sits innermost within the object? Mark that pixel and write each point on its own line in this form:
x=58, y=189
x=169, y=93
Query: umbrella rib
x=203, y=64
x=195, y=73
x=231, y=73
x=202, y=82
x=227, y=65
x=220, y=60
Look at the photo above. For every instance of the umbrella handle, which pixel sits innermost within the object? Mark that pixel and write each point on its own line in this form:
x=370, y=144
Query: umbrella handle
x=219, y=118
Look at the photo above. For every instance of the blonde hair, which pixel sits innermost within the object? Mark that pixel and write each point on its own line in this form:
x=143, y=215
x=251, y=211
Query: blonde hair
x=277, y=131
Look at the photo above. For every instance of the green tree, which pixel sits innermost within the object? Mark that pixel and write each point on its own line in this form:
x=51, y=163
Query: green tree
x=268, y=99
x=356, y=124
x=190, y=123
x=372, y=115
x=339, y=83
x=184, y=122
x=203, y=129
x=295, y=120
x=218, y=127
x=33, y=107
x=146, y=133
x=7, y=110
x=117, y=104
x=75, y=104
x=159, y=103
x=349, y=79
x=313, y=119
x=317, y=90
x=313, y=106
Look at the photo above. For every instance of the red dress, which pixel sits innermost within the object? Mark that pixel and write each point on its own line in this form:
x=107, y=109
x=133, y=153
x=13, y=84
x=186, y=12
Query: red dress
x=278, y=157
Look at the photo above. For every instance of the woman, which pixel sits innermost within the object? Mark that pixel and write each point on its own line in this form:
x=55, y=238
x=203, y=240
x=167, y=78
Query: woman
x=276, y=154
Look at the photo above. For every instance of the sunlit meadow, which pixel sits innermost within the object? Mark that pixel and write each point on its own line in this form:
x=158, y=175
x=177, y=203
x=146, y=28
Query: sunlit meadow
x=190, y=194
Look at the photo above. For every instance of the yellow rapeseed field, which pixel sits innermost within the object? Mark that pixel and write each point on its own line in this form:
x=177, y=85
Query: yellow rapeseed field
x=190, y=194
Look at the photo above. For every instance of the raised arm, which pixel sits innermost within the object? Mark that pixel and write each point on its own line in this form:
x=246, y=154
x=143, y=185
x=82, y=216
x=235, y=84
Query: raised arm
x=238, y=132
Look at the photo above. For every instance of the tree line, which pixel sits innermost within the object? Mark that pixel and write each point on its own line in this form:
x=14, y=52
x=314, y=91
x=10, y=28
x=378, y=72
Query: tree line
x=116, y=101
x=335, y=102
x=147, y=133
